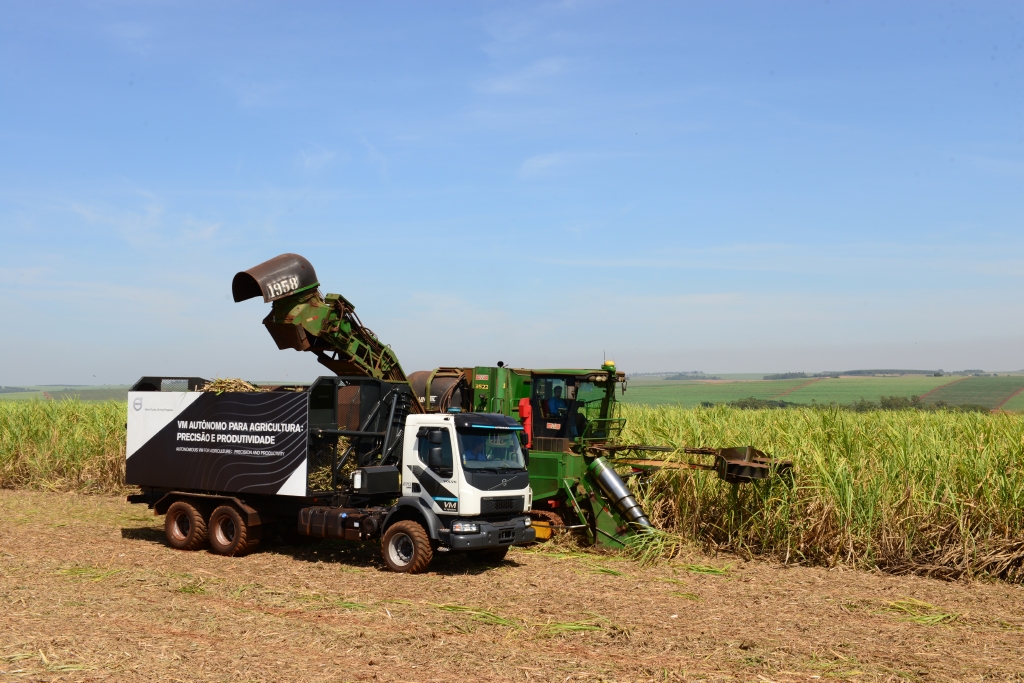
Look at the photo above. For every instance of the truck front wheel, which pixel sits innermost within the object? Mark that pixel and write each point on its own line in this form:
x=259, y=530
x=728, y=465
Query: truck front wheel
x=406, y=547
x=229, y=534
x=184, y=526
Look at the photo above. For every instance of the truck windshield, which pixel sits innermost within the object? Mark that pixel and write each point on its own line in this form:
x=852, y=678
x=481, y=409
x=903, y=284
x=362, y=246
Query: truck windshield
x=483, y=449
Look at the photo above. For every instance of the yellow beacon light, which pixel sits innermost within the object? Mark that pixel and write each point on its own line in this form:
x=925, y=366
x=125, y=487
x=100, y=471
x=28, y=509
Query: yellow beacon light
x=608, y=365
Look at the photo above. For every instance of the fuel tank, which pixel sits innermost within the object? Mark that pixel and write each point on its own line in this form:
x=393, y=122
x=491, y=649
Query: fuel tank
x=440, y=387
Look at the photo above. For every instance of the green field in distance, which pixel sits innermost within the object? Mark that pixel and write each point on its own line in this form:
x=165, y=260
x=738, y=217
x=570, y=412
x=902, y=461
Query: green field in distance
x=57, y=393
x=851, y=389
x=992, y=392
x=1004, y=392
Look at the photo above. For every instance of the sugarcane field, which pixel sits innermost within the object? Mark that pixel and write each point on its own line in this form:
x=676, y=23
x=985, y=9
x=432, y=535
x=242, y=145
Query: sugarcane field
x=553, y=341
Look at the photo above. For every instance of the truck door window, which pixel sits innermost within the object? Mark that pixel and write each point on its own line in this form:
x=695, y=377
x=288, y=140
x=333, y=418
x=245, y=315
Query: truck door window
x=446, y=452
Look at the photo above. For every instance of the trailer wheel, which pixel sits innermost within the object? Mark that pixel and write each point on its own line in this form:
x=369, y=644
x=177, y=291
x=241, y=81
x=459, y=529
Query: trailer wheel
x=406, y=547
x=184, y=526
x=229, y=534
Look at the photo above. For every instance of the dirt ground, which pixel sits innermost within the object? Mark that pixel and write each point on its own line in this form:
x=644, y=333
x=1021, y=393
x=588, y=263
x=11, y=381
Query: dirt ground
x=89, y=591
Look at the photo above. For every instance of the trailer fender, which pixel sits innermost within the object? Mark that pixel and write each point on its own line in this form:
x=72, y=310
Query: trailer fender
x=414, y=508
x=253, y=517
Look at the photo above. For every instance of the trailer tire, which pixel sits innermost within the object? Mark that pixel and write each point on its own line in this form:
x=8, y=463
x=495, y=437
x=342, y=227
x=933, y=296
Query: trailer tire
x=185, y=527
x=229, y=534
x=406, y=547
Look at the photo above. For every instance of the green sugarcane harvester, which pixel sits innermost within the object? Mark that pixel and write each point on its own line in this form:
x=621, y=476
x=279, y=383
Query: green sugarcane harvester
x=571, y=419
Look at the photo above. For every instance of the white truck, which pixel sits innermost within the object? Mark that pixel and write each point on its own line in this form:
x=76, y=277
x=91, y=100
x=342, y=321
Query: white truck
x=342, y=458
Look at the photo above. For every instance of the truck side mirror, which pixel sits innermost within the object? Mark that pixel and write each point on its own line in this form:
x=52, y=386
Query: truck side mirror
x=526, y=456
x=436, y=437
x=434, y=460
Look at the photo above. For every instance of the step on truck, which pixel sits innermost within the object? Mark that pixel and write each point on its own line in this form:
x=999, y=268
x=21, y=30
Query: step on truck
x=344, y=458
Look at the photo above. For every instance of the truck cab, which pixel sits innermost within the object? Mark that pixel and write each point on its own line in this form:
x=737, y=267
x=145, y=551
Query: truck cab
x=469, y=470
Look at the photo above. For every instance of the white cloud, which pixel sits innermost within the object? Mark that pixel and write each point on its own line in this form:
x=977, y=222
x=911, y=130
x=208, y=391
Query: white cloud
x=199, y=231
x=376, y=158
x=132, y=36
x=256, y=93
x=139, y=228
x=316, y=160
x=526, y=79
x=543, y=164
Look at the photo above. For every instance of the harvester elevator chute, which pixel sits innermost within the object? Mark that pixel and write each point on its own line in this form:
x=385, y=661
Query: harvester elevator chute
x=303, y=319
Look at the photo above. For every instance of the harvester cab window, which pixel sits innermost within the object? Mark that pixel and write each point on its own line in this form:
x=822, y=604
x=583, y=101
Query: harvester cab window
x=555, y=406
x=554, y=397
x=589, y=393
x=426, y=441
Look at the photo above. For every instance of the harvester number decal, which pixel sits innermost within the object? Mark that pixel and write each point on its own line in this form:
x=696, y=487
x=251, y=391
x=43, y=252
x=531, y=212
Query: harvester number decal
x=284, y=286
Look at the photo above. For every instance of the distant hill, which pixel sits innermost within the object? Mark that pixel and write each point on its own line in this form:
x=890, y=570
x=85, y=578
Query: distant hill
x=788, y=375
x=868, y=373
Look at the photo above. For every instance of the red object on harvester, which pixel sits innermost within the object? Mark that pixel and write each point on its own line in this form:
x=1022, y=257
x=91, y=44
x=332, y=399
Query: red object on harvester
x=526, y=416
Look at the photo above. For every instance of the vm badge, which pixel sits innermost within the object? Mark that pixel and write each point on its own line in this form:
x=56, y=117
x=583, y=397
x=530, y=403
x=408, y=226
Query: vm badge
x=448, y=504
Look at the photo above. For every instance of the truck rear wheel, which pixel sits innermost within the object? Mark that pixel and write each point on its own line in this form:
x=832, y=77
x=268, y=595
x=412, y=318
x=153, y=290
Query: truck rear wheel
x=184, y=526
x=406, y=547
x=229, y=534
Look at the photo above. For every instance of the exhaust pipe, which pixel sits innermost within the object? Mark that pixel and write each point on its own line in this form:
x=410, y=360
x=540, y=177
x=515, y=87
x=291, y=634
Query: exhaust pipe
x=616, y=490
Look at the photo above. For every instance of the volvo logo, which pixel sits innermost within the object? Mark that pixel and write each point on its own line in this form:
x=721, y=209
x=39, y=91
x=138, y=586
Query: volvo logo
x=503, y=484
x=137, y=404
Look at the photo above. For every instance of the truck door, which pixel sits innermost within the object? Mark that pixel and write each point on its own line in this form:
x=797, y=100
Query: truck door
x=435, y=471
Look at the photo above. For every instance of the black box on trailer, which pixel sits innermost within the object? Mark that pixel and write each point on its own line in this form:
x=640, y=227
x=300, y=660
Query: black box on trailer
x=276, y=442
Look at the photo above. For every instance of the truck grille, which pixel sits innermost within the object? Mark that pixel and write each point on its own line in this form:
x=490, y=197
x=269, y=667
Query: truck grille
x=490, y=506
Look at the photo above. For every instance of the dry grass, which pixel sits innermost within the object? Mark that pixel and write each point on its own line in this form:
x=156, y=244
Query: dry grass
x=89, y=591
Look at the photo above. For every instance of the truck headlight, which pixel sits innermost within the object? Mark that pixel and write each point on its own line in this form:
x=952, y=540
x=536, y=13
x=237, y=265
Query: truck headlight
x=465, y=527
x=528, y=522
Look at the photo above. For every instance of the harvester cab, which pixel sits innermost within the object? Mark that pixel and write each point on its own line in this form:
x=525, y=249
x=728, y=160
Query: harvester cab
x=573, y=407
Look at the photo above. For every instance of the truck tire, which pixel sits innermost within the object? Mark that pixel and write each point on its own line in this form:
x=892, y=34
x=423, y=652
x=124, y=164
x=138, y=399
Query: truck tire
x=184, y=526
x=406, y=547
x=229, y=534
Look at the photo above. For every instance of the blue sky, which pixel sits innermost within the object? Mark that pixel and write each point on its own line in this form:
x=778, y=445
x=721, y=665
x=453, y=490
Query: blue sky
x=731, y=187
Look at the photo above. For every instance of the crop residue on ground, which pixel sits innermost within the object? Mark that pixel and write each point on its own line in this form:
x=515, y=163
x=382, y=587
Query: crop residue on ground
x=90, y=591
